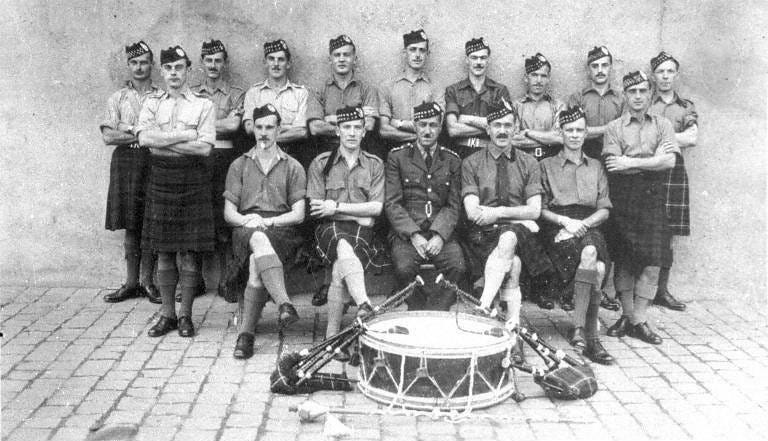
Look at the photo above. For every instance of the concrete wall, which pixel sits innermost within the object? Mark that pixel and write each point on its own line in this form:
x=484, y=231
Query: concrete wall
x=63, y=58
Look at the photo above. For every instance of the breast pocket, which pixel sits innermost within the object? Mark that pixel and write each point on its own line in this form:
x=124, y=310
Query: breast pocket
x=289, y=108
x=361, y=188
x=441, y=183
x=465, y=100
x=188, y=118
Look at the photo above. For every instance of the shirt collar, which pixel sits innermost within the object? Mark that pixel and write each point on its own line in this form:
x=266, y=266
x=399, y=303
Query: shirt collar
x=675, y=99
x=627, y=118
x=496, y=154
x=422, y=76
x=152, y=87
x=265, y=85
x=592, y=89
x=211, y=87
x=332, y=80
x=563, y=160
x=487, y=84
x=529, y=98
x=185, y=93
x=280, y=154
x=423, y=152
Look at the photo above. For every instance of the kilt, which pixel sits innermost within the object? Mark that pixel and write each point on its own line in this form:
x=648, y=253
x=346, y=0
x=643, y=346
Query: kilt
x=128, y=173
x=219, y=162
x=565, y=255
x=482, y=240
x=328, y=234
x=178, y=214
x=638, y=231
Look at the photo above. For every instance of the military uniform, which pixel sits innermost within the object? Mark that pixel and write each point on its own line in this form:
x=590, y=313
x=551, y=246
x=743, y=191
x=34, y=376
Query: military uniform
x=462, y=99
x=600, y=110
x=540, y=115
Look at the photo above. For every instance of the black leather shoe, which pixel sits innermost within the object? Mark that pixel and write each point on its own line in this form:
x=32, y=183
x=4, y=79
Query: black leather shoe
x=545, y=303
x=122, y=293
x=597, y=353
x=568, y=305
x=666, y=300
x=163, y=326
x=321, y=296
x=620, y=328
x=609, y=303
x=642, y=331
x=151, y=293
x=186, y=329
x=364, y=310
x=244, y=346
x=287, y=315
x=577, y=338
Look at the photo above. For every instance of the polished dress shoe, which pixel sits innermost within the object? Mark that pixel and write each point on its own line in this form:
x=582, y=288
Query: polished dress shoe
x=122, y=293
x=567, y=305
x=620, y=328
x=597, y=353
x=151, y=293
x=364, y=310
x=666, y=300
x=244, y=346
x=577, y=338
x=186, y=329
x=163, y=326
x=321, y=296
x=609, y=303
x=287, y=315
x=545, y=303
x=642, y=331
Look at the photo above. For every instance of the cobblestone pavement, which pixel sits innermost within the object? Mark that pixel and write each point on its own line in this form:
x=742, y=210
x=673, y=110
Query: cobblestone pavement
x=73, y=364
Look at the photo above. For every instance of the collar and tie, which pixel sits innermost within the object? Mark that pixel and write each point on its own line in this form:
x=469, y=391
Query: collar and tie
x=502, y=180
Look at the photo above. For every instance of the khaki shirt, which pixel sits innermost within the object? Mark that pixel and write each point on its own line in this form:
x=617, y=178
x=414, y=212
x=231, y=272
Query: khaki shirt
x=629, y=136
x=399, y=96
x=538, y=115
x=478, y=176
x=330, y=97
x=188, y=111
x=124, y=106
x=680, y=111
x=251, y=188
x=568, y=183
x=599, y=109
x=462, y=99
x=291, y=102
x=228, y=102
x=364, y=182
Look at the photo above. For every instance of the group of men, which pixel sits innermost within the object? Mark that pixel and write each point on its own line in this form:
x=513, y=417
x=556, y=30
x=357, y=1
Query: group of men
x=531, y=189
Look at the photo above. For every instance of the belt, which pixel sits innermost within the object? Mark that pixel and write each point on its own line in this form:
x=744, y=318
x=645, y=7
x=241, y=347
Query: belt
x=537, y=152
x=473, y=142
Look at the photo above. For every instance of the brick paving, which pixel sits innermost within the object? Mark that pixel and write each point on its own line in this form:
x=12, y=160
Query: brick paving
x=74, y=365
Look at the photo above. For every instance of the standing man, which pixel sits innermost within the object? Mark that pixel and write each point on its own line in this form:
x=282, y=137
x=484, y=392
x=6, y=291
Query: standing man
x=228, y=106
x=682, y=113
x=575, y=203
x=640, y=149
x=423, y=188
x=467, y=102
x=288, y=98
x=399, y=96
x=179, y=127
x=501, y=187
x=538, y=112
x=346, y=193
x=264, y=201
x=128, y=174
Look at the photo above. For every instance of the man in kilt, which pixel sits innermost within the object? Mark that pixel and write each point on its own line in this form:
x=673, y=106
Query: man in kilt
x=501, y=189
x=639, y=149
x=346, y=193
x=423, y=202
x=128, y=173
x=179, y=128
x=574, y=204
x=264, y=201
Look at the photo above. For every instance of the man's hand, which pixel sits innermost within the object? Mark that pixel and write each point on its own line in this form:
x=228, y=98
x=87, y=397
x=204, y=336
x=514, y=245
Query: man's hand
x=435, y=245
x=418, y=242
x=487, y=216
x=575, y=227
x=618, y=163
x=253, y=220
x=666, y=147
x=331, y=119
x=322, y=208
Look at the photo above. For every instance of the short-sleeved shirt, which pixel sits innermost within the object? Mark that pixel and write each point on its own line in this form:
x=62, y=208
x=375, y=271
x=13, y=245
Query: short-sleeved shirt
x=251, y=188
x=364, y=182
x=330, y=97
x=599, y=109
x=478, y=176
x=228, y=102
x=680, y=111
x=566, y=182
x=188, y=111
x=291, y=102
x=124, y=106
x=398, y=97
x=462, y=99
x=629, y=136
x=538, y=115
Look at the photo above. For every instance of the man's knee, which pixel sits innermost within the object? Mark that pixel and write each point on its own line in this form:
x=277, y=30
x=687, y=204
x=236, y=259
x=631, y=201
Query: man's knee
x=166, y=261
x=588, y=257
x=507, y=244
x=260, y=244
x=600, y=268
x=189, y=262
x=650, y=275
x=344, y=250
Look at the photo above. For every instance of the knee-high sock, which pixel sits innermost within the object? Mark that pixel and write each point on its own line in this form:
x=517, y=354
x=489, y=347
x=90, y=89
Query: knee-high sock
x=351, y=270
x=627, y=299
x=189, y=282
x=335, y=307
x=147, y=268
x=254, y=299
x=644, y=293
x=271, y=274
x=496, y=269
x=132, y=258
x=167, y=279
x=583, y=283
x=663, y=280
x=593, y=314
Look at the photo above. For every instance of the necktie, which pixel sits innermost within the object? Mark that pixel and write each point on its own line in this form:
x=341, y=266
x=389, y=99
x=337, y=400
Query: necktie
x=428, y=160
x=502, y=180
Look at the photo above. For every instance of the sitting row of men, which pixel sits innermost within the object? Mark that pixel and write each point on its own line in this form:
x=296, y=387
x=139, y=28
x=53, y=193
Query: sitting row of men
x=476, y=216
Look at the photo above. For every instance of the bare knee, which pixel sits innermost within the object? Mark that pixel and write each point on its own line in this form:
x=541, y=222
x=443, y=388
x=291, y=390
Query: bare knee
x=344, y=249
x=588, y=257
x=189, y=261
x=650, y=275
x=600, y=267
x=507, y=244
x=260, y=244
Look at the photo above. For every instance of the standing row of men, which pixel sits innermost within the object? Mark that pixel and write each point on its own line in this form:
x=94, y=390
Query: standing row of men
x=264, y=192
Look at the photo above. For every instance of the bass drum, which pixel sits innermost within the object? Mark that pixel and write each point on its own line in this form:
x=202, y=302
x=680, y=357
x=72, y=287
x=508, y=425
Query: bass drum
x=430, y=360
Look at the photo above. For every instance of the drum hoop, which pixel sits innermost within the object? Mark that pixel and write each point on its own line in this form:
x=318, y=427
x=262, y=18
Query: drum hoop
x=476, y=401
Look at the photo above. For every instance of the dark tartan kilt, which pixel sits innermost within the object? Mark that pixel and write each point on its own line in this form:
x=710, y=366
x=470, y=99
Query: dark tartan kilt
x=482, y=240
x=178, y=215
x=565, y=255
x=219, y=162
x=638, y=233
x=328, y=234
x=128, y=173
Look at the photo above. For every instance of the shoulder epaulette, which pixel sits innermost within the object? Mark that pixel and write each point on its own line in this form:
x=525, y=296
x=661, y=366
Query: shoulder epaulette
x=371, y=155
x=445, y=149
x=401, y=147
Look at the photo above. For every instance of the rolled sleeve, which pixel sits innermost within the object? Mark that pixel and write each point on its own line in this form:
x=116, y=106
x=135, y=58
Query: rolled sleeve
x=666, y=134
x=377, y=182
x=206, y=129
x=233, y=185
x=469, y=184
x=315, y=108
x=385, y=100
x=603, y=197
x=315, y=183
x=691, y=118
x=147, y=116
x=451, y=103
x=249, y=103
x=546, y=195
x=370, y=99
x=612, y=139
x=297, y=183
x=533, y=183
x=301, y=113
x=112, y=114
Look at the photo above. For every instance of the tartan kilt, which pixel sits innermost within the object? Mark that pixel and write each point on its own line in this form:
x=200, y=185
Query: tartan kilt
x=482, y=240
x=328, y=234
x=178, y=215
x=128, y=172
x=566, y=255
x=638, y=232
x=219, y=162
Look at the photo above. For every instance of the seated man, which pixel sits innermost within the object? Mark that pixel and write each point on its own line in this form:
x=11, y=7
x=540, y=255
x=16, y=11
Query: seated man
x=346, y=193
x=575, y=203
x=422, y=205
x=502, y=197
x=264, y=200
